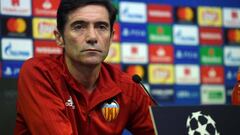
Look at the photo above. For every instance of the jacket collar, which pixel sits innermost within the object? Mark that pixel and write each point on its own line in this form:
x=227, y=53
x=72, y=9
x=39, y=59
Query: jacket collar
x=106, y=89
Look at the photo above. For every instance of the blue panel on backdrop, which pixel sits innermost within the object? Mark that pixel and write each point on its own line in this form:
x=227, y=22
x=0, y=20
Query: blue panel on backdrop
x=10, y=69
x=163, y=94
x=187, y=55
x=194, y=3
x=187, y=95
x=230, y=75
x=133, y=32
x=229, y=89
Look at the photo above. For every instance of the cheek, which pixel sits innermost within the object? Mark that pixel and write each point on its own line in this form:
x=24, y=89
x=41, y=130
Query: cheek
x=73, y=43
x=106, y=45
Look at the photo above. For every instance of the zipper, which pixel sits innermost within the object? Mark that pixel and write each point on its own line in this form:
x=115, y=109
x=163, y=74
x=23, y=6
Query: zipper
x=88, y=123
x=88, y=119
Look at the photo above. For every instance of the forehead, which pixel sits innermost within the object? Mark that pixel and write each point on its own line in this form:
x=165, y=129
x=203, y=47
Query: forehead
x=91, y=13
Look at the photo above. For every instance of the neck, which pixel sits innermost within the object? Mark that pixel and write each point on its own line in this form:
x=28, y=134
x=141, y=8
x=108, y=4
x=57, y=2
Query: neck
x=85, y=75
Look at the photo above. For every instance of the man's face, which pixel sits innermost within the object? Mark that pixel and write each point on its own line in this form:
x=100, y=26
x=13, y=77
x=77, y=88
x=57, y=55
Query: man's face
x=87, y=35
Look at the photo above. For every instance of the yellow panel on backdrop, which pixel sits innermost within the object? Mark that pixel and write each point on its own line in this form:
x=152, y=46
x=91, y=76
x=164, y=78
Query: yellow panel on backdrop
x=210, y=16
x=43, y=28
x=114, y=53
x=161, y=74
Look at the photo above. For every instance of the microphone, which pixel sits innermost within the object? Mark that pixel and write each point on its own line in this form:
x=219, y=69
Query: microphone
x=137, y=79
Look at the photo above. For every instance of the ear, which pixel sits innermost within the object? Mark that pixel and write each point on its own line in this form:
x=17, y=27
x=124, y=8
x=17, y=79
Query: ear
x=112, y=35
x=58, y=38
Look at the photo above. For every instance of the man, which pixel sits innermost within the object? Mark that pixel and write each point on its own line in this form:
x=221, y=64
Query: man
x=77, y=93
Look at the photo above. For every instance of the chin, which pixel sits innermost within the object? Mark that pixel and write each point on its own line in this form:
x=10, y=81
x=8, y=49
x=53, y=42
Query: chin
x=92, y=62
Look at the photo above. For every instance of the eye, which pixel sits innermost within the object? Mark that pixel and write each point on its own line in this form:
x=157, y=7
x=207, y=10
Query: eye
x=102, y=26
x=78, y=27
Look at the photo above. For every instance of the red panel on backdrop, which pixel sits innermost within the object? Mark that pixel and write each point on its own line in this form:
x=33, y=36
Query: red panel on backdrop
x=45, y=7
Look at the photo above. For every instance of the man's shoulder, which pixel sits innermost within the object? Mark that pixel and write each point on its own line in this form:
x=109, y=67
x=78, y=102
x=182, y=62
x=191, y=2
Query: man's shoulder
x=124, y=80
x=117, y=74
x=43, y=63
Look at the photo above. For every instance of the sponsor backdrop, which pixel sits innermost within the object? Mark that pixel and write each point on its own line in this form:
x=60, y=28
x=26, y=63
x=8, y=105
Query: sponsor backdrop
x=187, y=52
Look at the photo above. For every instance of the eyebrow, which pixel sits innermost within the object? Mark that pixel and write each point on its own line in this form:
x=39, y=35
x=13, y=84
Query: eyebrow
x=102, y=22
x=78, y=22
x=85, y=22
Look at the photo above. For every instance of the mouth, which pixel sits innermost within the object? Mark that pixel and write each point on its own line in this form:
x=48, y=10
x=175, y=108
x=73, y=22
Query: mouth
x=91, y=50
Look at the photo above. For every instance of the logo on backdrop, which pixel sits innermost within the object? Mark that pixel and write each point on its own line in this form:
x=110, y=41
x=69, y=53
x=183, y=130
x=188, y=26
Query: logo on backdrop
x=134, y=53
x=114, y=53
x=211, y=55
x=212, y=74
x=158, y=33
x=185, y=35
x=116, y=36
x=16, y=26
x=45, y=7
x=16, y=49
x=232, y=56
x=133, y=12
x=42, y=48
x=161, y=53
x=210, y=36
x=232, y=36
x=209, y=16
x=141, y=70
x=199, y=123
x=213, y=94
x=43, y=28
x=187, y=74
x=187, y=94
x=231, y=17
x=163, y=93
x=185, y=14
x=160, y=13
x=230, y=75
x=133, y=32
x=11, y=68
x=161, y=74
x=187, y=55
x=16, y=7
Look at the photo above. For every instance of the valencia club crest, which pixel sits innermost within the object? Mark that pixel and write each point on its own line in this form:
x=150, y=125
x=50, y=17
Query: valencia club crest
x=110, y=110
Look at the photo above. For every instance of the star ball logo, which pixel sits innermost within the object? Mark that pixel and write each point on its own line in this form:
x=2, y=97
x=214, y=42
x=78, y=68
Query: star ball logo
x=201, y=124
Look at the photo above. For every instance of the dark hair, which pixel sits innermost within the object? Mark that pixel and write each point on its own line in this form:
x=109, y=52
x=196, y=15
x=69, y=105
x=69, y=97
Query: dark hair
x=67, y=6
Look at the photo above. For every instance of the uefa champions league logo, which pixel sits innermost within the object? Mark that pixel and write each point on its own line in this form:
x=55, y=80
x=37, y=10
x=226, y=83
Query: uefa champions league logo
x=201, y=124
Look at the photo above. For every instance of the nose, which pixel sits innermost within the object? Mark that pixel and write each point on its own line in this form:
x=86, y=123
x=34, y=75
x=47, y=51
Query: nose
x=92, y=36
